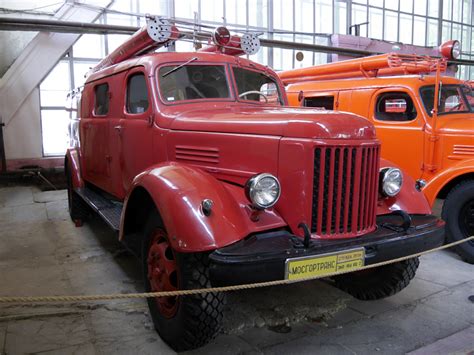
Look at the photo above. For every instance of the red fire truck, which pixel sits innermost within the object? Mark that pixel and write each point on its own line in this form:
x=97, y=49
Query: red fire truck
x=207, y=175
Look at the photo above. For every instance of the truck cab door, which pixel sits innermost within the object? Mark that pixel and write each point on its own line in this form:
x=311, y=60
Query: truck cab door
x=135, y=128
x=94, y=137
x=399, y=122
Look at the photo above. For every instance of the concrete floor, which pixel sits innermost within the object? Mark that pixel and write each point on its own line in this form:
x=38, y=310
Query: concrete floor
x=42, y=253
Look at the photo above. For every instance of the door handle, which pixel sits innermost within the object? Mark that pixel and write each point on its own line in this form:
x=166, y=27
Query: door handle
x=118, y=128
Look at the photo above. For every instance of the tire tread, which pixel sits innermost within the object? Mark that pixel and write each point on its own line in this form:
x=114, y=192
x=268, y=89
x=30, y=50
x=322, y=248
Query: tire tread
x=382, y=282
x=453, y=233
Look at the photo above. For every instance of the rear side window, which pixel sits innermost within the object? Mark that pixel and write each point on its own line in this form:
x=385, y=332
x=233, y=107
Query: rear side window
x=101, y=100
x=326, y=102
x=395, y=106
x=137, y=94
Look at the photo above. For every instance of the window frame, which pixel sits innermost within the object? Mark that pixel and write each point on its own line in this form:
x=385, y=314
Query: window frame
x=283, y=102
x=430, y=114
x=334, y=100
x=133, y=72
x=108, y=96
x=230, y=87
x=389, y=91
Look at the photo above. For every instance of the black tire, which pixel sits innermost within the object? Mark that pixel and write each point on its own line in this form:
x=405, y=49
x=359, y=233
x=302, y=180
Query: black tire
x=78, y=208
x=197, y=319
x=458, y=212
x=380, y=282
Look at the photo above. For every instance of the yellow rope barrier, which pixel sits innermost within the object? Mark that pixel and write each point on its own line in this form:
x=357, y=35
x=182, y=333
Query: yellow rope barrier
x=79, y=298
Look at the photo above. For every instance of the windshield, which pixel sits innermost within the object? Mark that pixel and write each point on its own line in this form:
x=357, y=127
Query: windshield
x=256, y=86
x=453, y=99
x=469, y=93
x=191, y=82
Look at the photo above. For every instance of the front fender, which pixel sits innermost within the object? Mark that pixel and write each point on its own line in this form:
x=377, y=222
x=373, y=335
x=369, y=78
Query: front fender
x=73, y=161
x=409, y=199
x=434, y=186
x=177, y=191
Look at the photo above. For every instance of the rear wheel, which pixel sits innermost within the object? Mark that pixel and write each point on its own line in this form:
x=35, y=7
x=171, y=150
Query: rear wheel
x=78, y=209
x=458, y=212
x=184, y=322
x=380, y=282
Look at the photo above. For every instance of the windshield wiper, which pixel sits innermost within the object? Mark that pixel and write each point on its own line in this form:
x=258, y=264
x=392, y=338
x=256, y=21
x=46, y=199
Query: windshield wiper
x=178, y=67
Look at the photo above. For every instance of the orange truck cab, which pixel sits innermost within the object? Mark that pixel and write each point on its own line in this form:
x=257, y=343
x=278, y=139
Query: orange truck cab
x=433, y=142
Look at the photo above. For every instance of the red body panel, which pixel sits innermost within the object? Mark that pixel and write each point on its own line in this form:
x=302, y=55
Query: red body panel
x=268, y=120
x=178, y=190
x=409, y=199
x=74, y=164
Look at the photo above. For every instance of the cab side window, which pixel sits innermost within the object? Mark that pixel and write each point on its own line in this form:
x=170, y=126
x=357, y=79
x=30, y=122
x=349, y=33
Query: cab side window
x=395, y=106
x=326, y=102
x=137, y=94
x=101, y=107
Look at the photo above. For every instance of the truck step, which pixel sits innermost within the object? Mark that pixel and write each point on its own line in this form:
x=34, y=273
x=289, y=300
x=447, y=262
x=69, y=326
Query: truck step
x=109, y=210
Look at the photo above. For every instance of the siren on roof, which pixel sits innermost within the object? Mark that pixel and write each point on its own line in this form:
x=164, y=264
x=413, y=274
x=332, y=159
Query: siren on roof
x=157, y=33
x=225, y=43
x=159, y=29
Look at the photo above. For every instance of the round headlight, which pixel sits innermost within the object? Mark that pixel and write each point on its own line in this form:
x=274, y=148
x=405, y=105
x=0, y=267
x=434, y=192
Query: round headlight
x=263, y=190
x=391, y=180
x=456, y=50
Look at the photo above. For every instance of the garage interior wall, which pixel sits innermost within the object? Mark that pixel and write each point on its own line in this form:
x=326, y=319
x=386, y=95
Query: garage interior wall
x=19, y=85
x=33, y=90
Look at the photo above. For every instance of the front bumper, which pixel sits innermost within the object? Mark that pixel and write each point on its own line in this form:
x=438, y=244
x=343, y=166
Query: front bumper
x=262, y=257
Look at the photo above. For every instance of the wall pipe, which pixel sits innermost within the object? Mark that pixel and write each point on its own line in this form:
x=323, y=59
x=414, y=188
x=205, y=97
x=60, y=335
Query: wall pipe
x=15, y=24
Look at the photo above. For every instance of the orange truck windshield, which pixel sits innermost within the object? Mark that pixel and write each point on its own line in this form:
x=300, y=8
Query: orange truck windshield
x=453, y=99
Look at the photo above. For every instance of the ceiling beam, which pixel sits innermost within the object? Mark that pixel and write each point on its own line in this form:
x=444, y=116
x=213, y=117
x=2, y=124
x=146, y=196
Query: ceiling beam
x=16, y=24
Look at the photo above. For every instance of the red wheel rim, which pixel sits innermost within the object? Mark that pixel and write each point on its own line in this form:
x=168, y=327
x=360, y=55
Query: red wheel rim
x=162, y=272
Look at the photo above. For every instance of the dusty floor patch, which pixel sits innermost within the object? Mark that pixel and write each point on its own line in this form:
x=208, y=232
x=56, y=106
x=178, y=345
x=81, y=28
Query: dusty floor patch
x=42, y=253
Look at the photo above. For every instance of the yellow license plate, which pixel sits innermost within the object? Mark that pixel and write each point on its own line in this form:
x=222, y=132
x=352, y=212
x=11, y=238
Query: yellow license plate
x=310, y=266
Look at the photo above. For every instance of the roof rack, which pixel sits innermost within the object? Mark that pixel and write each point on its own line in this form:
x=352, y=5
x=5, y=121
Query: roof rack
x=159, y=32
x=388, y=64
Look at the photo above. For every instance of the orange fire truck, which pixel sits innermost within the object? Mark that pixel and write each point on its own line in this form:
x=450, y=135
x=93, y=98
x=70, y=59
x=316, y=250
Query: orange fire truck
x=424, y=119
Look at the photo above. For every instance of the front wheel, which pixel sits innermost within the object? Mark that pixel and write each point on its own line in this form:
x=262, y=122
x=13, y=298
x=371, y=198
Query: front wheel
x=380, y=282
x=458, y=212
x=185, y=322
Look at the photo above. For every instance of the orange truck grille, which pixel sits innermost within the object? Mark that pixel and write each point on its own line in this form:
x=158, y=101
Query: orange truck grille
x=345, y=185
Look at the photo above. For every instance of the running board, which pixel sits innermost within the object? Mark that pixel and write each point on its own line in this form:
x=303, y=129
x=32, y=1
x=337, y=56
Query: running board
x=109, y=210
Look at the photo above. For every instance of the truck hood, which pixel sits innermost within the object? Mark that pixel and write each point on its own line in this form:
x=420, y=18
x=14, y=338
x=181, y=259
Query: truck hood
x=275, y=121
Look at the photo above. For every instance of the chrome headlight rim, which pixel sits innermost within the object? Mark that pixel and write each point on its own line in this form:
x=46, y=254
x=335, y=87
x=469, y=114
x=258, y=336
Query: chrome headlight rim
x=385, y=174
x=456, y=49
x=251, y=186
